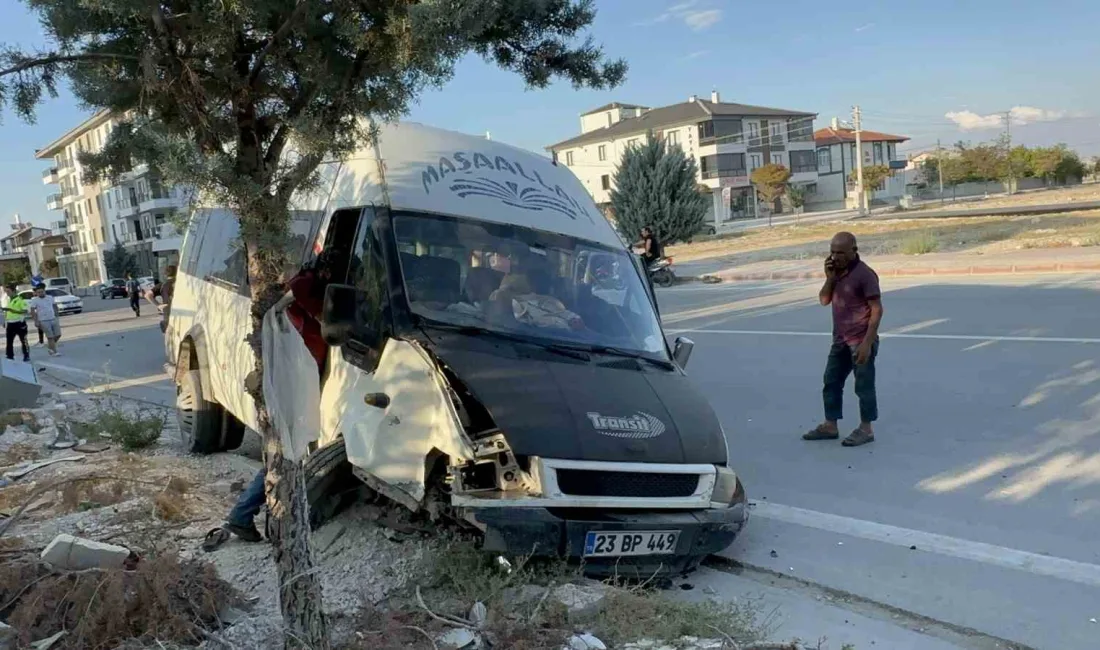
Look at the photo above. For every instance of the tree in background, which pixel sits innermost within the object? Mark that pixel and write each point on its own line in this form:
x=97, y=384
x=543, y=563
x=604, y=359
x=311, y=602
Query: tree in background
x=1070, y=168
x=119, y=261
x=243, y=100
x=873, y=176
x=984, y=162
x=1045, y=161
x=655, y=186
x=49, y=268
x=771, y=182
x=17, y=274
x=797, y=196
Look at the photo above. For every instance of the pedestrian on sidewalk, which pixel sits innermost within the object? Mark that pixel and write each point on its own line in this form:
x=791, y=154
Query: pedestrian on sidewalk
x=41, y=334
x=15, y=322
x=133, y=290
x=852, y=289
x=44, y=313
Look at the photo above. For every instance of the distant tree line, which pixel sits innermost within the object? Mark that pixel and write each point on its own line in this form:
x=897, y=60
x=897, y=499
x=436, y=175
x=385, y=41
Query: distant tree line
x=997, y=161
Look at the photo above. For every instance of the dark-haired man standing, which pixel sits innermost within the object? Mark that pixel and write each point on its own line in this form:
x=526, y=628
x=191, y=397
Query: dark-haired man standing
x=852, y=289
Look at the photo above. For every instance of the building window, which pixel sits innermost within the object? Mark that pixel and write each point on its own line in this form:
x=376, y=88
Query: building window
x=723, y=165
x=866, y=155
x=569, y=158
x=776, y=129
x=706, y=131
x=605, y=182
x=777, y=159
x=824, y=161
x=755, y=161
x=602, y=152
x=878, y=153
x=754, y=134
x=803, y=162
x=673, y=137
x=633, y=142
x=109, y=200
x=609, y=119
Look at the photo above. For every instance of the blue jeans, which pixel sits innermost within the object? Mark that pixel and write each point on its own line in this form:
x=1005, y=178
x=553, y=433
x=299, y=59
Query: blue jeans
x=249, y=503
x=841, y=363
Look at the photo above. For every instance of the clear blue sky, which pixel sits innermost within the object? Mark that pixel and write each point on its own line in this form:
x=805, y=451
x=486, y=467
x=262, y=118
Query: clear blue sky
x=908, y=64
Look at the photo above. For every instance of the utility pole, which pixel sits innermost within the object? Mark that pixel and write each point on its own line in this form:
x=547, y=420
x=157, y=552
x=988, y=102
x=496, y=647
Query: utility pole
x=939, y=167
x=1011, y=189
x=860, y=194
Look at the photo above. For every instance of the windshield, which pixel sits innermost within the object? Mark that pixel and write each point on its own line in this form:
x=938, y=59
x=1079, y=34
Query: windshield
x=525, y=282
x=57, y=282
x=56, y=293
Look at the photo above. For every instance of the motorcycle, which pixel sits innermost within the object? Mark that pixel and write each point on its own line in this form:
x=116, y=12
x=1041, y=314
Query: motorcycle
x=660, y=272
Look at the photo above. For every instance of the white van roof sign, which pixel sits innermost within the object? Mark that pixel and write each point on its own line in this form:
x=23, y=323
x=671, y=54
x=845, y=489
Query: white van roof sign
x=434, y=170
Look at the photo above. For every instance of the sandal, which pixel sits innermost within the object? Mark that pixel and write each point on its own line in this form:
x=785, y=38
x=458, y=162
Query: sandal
x=817, y=433
x=215, y=537
x=858, y=437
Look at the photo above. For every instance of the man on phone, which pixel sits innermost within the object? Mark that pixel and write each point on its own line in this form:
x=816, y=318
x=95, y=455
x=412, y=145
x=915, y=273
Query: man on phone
x=852, y=289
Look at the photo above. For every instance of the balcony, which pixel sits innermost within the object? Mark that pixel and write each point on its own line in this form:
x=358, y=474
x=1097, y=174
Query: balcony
x=49, y=177
x=803, y=169
x=58, y=227
x=168, y=238
x=54, y=201
x=724, y=173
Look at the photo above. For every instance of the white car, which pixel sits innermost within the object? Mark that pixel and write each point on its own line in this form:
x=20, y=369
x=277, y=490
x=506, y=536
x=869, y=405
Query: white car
x=64, y=302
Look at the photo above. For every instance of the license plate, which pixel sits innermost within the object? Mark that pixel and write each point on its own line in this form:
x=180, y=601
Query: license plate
x=617, y=544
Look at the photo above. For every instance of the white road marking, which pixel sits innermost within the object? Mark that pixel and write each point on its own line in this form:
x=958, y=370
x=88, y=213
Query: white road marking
x=887, y=335
x=732, y=287
x=1035, y=563
x=106, y=381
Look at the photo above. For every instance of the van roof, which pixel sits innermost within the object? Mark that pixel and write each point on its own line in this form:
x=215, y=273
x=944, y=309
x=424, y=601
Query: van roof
x=433, y=170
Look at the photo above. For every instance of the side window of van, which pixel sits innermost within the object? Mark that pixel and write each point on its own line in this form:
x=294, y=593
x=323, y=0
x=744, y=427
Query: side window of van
x=340, y=240
x=189, y=256
x=222, y=260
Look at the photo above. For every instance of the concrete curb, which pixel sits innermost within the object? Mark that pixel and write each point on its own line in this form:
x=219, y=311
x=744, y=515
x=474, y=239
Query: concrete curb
x=1003, y=269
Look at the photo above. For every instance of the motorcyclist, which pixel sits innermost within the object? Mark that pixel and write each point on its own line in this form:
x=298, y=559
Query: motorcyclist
x=652, y=250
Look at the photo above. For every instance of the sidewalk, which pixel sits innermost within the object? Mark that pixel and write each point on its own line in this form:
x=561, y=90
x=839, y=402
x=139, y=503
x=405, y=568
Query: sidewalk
x=1053, y=260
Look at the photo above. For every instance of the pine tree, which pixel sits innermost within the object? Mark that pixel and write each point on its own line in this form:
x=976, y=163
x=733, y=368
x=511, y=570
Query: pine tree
x=655, y=186
x=119, y=261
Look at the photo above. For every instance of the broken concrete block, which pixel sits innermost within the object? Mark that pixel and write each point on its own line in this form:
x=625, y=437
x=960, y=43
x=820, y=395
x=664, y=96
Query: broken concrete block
x=459, y=638
x=585, y=642
x=76, y=553
x=581, y=599
x=478, y=614
x=19, y=387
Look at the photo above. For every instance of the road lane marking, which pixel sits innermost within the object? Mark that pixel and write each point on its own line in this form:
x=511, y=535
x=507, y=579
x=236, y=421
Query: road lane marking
x=1035, y=563
x=107, y=381
x=886, y=335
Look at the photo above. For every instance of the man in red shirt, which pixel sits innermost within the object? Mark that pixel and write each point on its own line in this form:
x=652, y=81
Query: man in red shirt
x=852, y=289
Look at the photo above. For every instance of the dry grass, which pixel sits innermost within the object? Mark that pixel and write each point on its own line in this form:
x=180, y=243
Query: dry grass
x=462, y=575
x=919, y=244
x=163, y=599
x=886, y=236
x=18, y=453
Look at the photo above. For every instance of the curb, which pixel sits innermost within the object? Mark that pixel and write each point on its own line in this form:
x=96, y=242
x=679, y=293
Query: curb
x=1005, y=269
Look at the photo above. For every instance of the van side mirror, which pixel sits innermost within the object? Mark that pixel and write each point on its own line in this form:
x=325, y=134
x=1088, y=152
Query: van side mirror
x=339, y=313
x=681, y=353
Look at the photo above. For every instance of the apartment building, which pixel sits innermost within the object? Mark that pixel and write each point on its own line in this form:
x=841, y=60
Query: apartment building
x=134, y=211
x=727, y=140
x=36, y=245
x=836, y=160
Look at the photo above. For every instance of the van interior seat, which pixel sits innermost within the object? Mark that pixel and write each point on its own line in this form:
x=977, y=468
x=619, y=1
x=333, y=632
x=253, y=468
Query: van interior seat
x=481, y=282
x=432, y=279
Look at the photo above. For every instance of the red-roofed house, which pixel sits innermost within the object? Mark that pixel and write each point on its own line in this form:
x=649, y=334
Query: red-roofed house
x=836, y=150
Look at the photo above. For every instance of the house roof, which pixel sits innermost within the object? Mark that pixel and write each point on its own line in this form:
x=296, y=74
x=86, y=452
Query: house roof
x=829, y=135
x=682, y=113
x=21, y=231
x=611, y=106
x=58, y=239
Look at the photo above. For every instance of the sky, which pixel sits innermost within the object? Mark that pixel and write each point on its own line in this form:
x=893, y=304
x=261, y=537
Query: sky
x=935, y=69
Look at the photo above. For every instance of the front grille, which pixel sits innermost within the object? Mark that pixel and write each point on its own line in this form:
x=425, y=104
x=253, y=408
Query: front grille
x=587, y=483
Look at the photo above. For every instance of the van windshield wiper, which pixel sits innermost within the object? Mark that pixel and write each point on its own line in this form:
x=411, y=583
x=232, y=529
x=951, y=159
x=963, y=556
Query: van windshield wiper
x=476, y=330
x=616, y=352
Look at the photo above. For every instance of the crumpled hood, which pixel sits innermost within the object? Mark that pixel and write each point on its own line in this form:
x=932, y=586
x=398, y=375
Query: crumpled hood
x=580, y=410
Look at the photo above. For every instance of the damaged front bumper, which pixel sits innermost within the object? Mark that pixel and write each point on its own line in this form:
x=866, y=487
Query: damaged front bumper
x=563, y=532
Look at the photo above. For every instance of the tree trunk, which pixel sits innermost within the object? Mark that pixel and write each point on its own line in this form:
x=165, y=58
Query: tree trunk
x=288, y=510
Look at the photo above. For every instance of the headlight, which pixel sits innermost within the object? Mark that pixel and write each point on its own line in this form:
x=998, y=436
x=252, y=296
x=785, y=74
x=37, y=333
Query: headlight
x=727, y=489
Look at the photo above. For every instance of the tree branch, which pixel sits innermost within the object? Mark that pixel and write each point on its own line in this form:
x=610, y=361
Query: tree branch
x=64, y=58
x=258, y=64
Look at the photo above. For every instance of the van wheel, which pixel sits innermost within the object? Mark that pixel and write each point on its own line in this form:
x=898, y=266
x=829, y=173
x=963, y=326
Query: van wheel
x=200, y=421
x=330, y=484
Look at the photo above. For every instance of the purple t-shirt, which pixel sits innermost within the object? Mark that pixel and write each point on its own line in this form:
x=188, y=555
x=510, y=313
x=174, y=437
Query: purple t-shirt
x=851, y=311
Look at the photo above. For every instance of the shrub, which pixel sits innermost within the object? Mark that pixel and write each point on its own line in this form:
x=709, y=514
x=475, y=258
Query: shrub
x=919, y=244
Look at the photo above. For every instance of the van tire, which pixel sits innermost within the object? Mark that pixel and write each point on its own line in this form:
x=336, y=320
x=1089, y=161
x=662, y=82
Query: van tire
x=330, y=484
x=200, y=421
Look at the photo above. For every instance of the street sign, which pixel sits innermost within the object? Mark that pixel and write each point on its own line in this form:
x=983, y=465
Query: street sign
x=898, y=164
x=733, y=181
x=726, y=194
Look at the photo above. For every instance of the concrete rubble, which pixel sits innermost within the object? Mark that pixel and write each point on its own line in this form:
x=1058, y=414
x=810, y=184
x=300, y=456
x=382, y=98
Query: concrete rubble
x=459, y=638
x=76, y=554
x=585, y=642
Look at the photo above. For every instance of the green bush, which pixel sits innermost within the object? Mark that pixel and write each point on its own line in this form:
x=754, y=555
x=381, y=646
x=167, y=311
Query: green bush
x=130, y=431
x=919, y=244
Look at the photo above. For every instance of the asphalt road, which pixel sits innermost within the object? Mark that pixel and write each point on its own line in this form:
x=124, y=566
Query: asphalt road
x=978, y=505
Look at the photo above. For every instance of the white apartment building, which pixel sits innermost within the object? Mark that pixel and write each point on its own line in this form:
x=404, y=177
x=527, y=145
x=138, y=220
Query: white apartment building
x=727, y=140
x=836, y=151
x=135, y=211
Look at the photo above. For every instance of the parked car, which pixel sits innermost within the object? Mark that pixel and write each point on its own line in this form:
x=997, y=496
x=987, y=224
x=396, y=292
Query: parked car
x=115, y=288
x=61, y=283
x=64, y=302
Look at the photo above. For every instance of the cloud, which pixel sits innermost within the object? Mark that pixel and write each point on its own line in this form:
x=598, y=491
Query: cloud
x=862, y=28
x=696, y=19
x=694, y=55
x=1020, y=115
